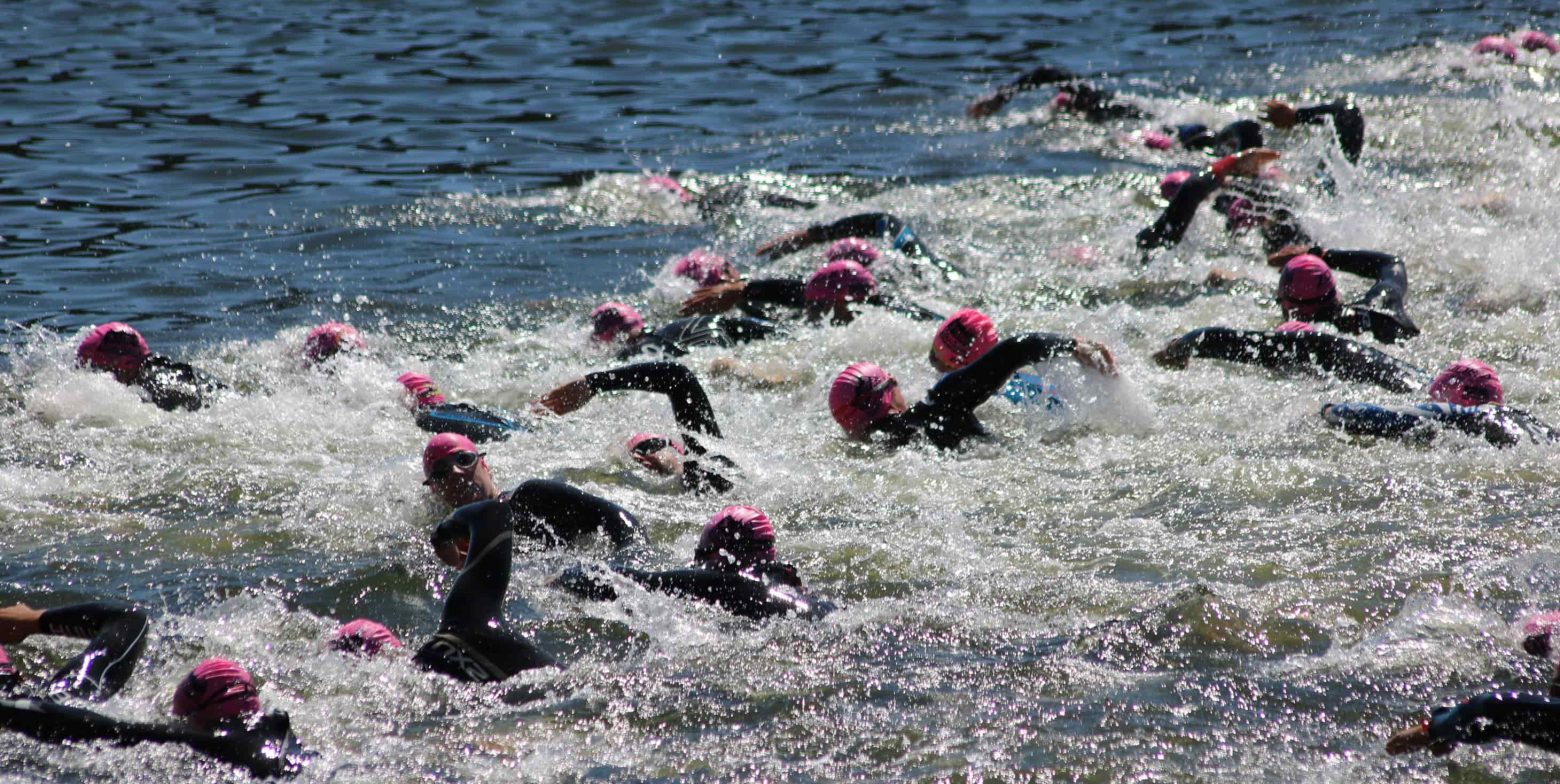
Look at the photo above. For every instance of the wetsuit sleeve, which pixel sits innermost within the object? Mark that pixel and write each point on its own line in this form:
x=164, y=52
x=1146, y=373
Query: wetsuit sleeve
x=556, y=512
x=965, y=389
x=701, y=477
x=1369, y=419
x=174, y=385
x=1340, y=357
x=903, y=307
x=1531, y=719
x=477, y=424
x=1387, y=296
x=734, y=593
x=477, y=598
x=744, y=329
x=789, y=292
x=1035, y=78
x=1347, y=120
x=265, y=750
x=1171, y=225
x=117, y=635
x=690, y=405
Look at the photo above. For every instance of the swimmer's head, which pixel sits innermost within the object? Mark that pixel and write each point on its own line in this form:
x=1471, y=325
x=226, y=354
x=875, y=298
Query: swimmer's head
x=364, y=638
x=329, y=339
x=1062, y=100
x=1534, y=40
x=862, y=395
x=705, y=268
x=650, y=443
x=1467, y=382
x=1294, y=326
x=1306, y=287
x=455, y=471
x=851, y=249
x=661, y=182
x=1171, y=184
x=422, y=389
x=963, y=338
x=736, y=538
x=612, y=319
x=115, y=347
x=215, y=691
x=1193, y=136
x=835, y=285
x=1241, y=213
x=1157, y=140
x=1537, y=632
x=1497, y=45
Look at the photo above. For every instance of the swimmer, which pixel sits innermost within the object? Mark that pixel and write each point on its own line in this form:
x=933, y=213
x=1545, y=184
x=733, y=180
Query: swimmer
x=1465, y=396
x=435, y=414
x=965, y=337
x=669, y=457
x=1293, y=346
x=1532, y=41
x=217, y=700
x=119, y=349
x=866, y=400
x=735, y=568
x=615, y=322
x=549, y=512
x=722, y=200
x=329, y=339
x=363, y=637
x=474, y=642
x=1307, y=291
x=835, y=290
x=1525, y=717
x=1248, y=205
x=705, y=268
x=871, y=224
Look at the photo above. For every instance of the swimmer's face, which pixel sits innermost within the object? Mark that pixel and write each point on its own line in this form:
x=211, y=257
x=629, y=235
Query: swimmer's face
x=897, y=403
x=941, y=366
x=462, y=478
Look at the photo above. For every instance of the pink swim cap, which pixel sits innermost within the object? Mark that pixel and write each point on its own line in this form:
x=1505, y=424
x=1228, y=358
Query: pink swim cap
x=1062, y=100
x=852, y=249
x=329, y=339
x=704, y=267
x=365, y=637
x=611, y=319
x=1172, y=182
x=1306, y=285
x=421, y=388
x=1294, y=326
x=1242, y=213
x=1467, y=382
x=861, y=395
x=1541, y=623
x=113, y=346
x=652, y=442
x=963, y=338
x=1496, y=44
x=1534, y=40
x=661, y=182
x=1157, y=140
x=216, y=689
x=840, y=281
x=736, y=538
x=441, y=446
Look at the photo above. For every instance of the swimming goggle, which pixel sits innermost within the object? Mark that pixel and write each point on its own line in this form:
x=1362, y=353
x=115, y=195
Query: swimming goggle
x=462, y=460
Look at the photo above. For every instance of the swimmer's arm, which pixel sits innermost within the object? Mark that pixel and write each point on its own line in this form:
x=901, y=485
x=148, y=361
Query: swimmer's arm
x=790, y=292
x=733, y=593
x=1272, y=350
x=1368, y=419
x=18, y=622
x=1390, y=291
x=572, y=512
x=690, y=405
x=1172, y=224
x=993, y=102
x=903, y=306
x=477, y=598
x=743, y=329
x=117, y=634
x=1354, y=361
x=1348, y=123
x=867, y=224
x=974, y=384
x=697, y=478
x=1528, y=718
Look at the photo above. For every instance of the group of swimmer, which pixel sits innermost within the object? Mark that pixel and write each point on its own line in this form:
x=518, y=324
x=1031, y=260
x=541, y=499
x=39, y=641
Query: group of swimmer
x=736, y=565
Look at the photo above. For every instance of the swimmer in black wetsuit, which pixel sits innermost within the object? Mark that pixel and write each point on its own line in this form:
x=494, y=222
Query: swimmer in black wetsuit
x=865, y=399
x=721, y=200
x=549, y=512
x=329, y=339
x=1308, y=292
x=834, y=290
x=613, y=321
x=1466, y=396
x=865, y=225
x=1294, y=346
x=1253, y=206
x=218, y=700
x=435, y=414
x=1525, y=717
x=735, y=568
x=118, y=348
x=474, y=642
x=669, y=457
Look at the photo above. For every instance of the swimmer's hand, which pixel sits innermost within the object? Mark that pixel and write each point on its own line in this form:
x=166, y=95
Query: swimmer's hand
x=1094, y=355
x=1280, y=114
x=564, y=399
x=986, y=105
x=1282, y=256
x=1219, y=278
x=710, y=300
x=1175, y=355
x=786, y=243
x=18, y=622
x=1246, y=163
x=1415, y=738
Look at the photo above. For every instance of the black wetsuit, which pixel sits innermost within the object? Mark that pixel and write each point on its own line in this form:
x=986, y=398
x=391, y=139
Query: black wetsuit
x=1528, y=718
x=173, y=385
x=117, y=635
x=1278, y=224
x=474, y=422
x=474, y=642
x=690, y=408
x=881, y=225
x=763, y=591
x=946, y=418
x=556, y=514
x=703, y=473
x=1381, y=311
x=675, y=338
x=723, y=199
x=1288, y=351
x=792, y=293
x=1500, y=425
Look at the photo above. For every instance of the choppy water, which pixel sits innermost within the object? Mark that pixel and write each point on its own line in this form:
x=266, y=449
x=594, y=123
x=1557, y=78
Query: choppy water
x=1184, y=578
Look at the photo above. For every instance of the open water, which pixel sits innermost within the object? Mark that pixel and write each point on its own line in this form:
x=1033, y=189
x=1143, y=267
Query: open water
x=1183, y=577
